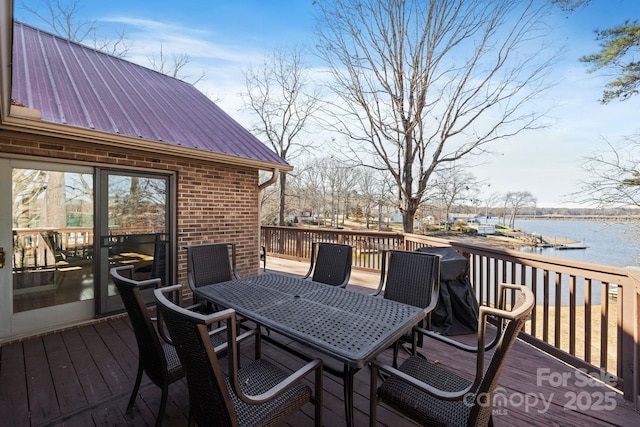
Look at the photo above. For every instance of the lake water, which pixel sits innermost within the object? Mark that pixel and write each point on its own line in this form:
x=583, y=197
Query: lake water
x=616, y=244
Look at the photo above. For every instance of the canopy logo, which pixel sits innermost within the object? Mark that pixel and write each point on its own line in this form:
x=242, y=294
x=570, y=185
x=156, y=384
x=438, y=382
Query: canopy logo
x=602, y=399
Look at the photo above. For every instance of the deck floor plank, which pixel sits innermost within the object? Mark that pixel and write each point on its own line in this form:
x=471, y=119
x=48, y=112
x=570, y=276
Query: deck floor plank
x=14, y=406
x=43, y=405
x=69, y=393
x=106, y=405
x=120, y=353
x=94, y=387
x=113, y=376
x=102, y=362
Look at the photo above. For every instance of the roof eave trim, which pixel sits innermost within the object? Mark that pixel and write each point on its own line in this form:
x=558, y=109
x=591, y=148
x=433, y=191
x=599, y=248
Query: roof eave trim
x=122, y=141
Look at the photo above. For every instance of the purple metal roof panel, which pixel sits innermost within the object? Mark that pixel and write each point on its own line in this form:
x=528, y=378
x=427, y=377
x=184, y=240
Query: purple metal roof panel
x=73, y=84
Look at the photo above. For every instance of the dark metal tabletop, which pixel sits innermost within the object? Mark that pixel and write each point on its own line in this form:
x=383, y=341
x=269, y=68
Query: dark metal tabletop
x=349, y=326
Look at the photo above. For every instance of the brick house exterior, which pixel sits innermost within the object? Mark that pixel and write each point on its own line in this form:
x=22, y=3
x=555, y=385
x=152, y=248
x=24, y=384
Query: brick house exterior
x=68, y=106
x=215, y=202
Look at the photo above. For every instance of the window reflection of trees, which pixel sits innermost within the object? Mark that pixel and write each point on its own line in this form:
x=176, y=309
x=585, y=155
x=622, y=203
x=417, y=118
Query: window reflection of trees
x=138, y=202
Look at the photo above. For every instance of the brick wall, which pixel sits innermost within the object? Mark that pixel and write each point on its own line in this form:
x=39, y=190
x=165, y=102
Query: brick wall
x=214, y=202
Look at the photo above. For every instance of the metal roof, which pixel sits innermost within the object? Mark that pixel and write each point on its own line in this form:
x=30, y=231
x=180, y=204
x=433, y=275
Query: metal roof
x=75, y=85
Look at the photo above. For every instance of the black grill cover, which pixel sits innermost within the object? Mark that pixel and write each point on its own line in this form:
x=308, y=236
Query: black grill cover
x=457, y=309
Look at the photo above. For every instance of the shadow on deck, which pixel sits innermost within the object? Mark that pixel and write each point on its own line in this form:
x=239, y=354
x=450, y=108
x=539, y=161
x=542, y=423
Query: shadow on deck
x=83, y=376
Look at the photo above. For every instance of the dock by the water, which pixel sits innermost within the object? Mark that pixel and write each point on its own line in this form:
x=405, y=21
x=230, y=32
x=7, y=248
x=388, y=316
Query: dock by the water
x=539, y=241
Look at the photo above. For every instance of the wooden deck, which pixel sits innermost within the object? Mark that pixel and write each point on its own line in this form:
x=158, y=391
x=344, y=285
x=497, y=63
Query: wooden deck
x=83, y=376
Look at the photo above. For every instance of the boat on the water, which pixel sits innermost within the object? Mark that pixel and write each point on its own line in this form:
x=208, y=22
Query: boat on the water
x=565, y=247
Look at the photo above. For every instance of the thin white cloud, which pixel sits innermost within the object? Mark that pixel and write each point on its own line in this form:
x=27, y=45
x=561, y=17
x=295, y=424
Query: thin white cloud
x=149, y=34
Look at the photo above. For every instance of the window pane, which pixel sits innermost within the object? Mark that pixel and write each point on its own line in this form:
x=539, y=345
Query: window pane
x=137, y=224
x=52, y=238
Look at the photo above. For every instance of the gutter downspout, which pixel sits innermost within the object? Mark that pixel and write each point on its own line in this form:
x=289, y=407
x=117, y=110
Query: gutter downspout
x=274, y=178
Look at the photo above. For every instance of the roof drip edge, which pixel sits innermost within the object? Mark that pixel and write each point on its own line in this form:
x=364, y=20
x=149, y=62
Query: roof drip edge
x=31, y=126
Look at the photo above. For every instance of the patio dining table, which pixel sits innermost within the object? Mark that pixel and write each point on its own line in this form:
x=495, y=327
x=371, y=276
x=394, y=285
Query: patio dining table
x=348, y=326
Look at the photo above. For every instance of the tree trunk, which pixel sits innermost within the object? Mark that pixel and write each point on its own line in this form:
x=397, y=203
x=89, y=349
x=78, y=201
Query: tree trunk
x=55, y=211
x=409, y=214
x=283, y=186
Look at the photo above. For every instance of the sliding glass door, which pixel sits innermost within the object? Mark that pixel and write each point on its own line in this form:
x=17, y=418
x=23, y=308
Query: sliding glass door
x=52, y=255
x=62, y=229
x=134, y=228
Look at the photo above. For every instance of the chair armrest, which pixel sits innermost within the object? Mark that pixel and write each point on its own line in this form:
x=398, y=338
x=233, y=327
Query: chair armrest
x=458, y=344
x=383, y=270
x=377, y=291
x=149, y=283
x=420, y=385
x=446, y=340
x=312, y=260
x=284, y=385
x=345, y=282
x=239, y=338
x=233, y=261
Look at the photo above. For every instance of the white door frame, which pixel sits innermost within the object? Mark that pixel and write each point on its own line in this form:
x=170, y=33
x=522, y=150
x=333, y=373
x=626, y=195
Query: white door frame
x=6, y=243
x=13, y=325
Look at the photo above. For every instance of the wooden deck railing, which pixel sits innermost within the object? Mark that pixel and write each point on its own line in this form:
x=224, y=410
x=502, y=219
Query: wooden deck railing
x=586, y=314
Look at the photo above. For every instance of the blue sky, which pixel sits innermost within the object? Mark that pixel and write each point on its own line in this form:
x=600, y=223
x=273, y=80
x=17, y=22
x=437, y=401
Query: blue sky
x=224, y=37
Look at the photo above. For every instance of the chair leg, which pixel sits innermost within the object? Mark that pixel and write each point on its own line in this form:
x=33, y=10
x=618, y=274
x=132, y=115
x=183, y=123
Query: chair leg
x=396, y=348
x=319, y=399
x=258, y=344
x=163, y=404
x=373, y=399
x=134, y=393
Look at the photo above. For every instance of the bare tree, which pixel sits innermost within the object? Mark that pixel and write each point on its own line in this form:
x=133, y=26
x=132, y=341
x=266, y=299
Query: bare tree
x=450, y=187
x=368, y=184
x=278, y=93
x=173, y=64
x=385, y=198
x=570, y=5
x=489, y=202
x=516, y=200
x=422, y=83
x=64, y=19
x=314, y=193
x=613, y=176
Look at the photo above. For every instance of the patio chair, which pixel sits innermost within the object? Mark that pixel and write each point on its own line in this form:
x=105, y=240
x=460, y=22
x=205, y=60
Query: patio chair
x=208, y=264
x=330, y=263
x=157, y=357
x=411, y=278
x=433, y=395
x=258, y=394
x=263, y=257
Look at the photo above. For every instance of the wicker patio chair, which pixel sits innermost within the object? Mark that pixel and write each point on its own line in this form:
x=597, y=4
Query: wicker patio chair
x=258, y=394
x=411, y=278
x=330, y=263
x=263, y=257
x=208, y=264
x=432, y=395
x=156, y=356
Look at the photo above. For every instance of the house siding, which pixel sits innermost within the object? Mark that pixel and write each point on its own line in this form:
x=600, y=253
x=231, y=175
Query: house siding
x=214, y=202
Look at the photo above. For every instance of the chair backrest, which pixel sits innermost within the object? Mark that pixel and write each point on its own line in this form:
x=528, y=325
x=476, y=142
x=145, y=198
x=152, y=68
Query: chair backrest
x=411, y=278
x=150, y=350
x=331, y=263
x=210, y=263
x=209, y=398
x=510, y=322
x=159, y=264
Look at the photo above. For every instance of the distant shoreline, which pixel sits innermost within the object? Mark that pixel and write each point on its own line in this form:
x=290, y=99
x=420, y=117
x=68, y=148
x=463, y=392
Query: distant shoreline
x=493, y=240
x=603, y=218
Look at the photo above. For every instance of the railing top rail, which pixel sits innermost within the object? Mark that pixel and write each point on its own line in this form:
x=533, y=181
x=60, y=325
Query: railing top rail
x=336, y=231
